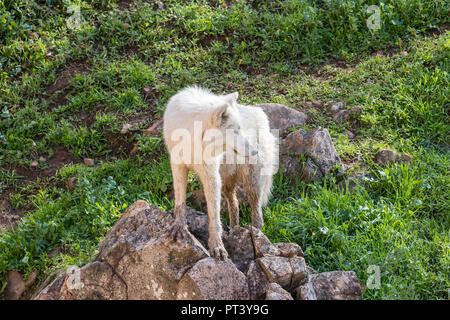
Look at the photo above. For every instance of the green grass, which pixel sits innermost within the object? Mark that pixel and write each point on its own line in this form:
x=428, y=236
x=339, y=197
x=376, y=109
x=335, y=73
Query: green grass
x=73, y=90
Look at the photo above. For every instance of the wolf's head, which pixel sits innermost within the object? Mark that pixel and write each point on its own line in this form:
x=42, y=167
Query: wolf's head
x=226, y=125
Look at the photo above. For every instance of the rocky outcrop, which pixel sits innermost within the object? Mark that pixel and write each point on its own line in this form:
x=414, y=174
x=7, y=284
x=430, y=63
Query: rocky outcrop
x=138, y=260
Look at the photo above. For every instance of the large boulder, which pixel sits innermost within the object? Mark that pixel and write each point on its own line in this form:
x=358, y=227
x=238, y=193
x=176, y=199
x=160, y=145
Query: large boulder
x=136, y=260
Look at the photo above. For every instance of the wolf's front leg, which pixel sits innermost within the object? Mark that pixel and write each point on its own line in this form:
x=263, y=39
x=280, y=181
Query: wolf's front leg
x=211, y=182
x=179, y=228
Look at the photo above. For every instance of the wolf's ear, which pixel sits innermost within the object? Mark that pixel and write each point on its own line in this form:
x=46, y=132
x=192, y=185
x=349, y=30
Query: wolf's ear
x=231, y=98
x=220, y=114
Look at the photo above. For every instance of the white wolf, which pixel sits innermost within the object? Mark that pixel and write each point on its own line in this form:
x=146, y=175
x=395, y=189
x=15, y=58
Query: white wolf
x=226, y=144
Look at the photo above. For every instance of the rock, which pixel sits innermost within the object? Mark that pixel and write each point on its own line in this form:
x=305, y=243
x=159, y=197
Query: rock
x=52, y=291
x=335, y=107
x=306, y=292
x=299, y=272
x=321, y=149
x=198, y=225
x=262, y=245
x=139, y=249
x=386, y=156
x=287, y=272
x=406, y=158
x=289, y=250
x=277, y=269
x=257, y=281
x=349, y=134
x=282, y=118
x=276, y=292
x=94, y=281
x=310, y=172
x=334, y=285
x=71, y=183
x=383, y=157
x=316, y=147
x=342, y=116
x=125, y=128
x=239, y=245
x=88, y=162
x=15, y=285
x=138, y=260
x=210, y=279
x=317, y=103
x=155, y=128
x=354, y=181
x=31, y=279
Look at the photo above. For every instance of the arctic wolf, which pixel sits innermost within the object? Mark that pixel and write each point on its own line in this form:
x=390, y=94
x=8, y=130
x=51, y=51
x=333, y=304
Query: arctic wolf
x=226, y=144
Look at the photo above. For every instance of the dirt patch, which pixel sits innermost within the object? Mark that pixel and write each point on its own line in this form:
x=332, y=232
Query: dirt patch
x=62, y=83
x=208, y=40
x=124, y=4
x=9, y=215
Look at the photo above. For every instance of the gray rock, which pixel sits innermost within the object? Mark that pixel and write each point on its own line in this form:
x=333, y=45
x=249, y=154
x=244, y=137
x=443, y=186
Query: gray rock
x=276, y=292
x=262, y=245
x=335, y=107
x=386, y=156
x=306, y=292
x=299, y=272
x=139, y=249
x=334, y=285
x=342, y=116
x=239, y=245
x=308, y=156
x=97, y=281
x=198, y=225
x=210, y=279
x=277, y=269
x=257, y=281
x=289, y=249
x=283, y=118
x=383, y=157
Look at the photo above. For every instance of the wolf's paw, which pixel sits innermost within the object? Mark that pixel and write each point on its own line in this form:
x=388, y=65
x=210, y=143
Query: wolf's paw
x=178, y=231
x=219, y=252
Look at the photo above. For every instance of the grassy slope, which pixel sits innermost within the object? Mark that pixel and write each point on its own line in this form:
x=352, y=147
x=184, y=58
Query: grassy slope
x=65, y=95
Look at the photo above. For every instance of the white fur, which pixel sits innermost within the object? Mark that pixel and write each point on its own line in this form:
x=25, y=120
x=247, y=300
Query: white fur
x=245, y=157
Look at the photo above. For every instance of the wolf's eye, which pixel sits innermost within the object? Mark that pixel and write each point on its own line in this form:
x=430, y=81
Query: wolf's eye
x=224, y=119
